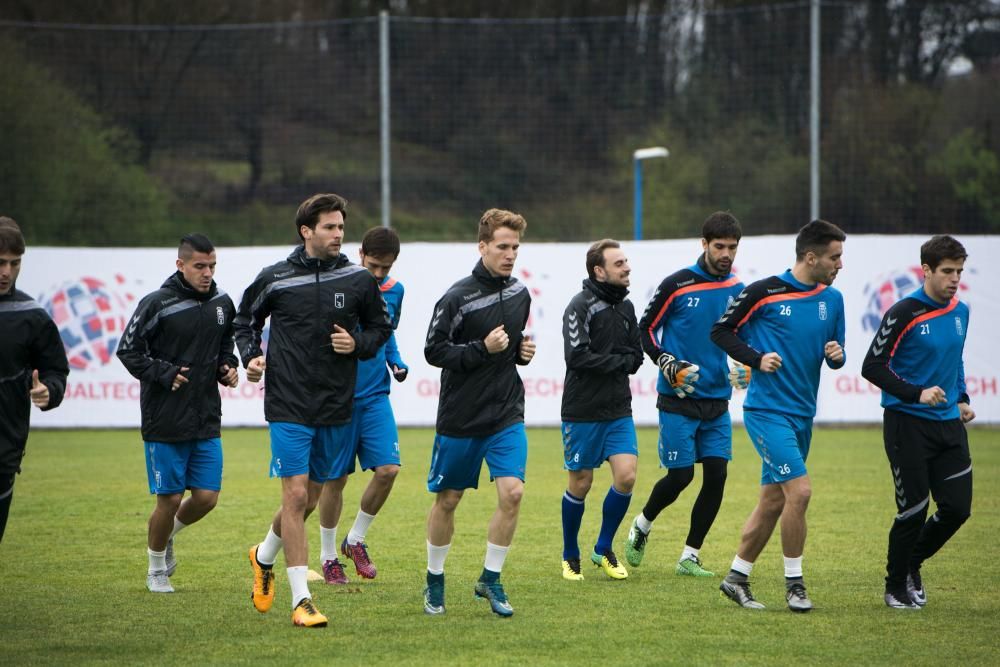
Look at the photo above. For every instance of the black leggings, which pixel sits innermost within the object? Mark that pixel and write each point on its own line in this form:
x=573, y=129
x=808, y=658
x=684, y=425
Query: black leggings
x=928, y=459
x=706, y=505
x=6, y=495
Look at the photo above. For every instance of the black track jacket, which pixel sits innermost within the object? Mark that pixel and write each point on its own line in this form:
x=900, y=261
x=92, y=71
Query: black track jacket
x=602, y=348
x=29, y=341
x=178, y=326
x=481, y=393
x=306, y=381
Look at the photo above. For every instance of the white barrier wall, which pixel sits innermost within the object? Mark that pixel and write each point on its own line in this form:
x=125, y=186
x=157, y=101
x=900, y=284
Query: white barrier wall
x=91, y=293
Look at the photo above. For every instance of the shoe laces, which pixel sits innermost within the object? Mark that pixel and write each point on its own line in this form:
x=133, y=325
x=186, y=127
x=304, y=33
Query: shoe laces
x=574, y=564
x=266, y=578
x=612, y=558
x=640, y=539
x=918, y=583
x=435, y=593
x=798, y=590
x=307, y=606
x=496, y=589
x=744, y=588
x=334, y=566
x=359, y=554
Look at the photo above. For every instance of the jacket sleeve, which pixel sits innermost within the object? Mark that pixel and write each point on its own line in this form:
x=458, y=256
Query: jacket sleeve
x=653, y=320
x=226, y=356
x=392, y=356
x=724, y=331
x=876, y=368
x=248, y=327
x=376, y=327
x=634, y=341
x=48, y=357
x=134, y=352
x=443, y=352
x=576, y=345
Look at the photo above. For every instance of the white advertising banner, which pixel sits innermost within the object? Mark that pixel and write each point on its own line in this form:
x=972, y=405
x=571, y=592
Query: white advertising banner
x=91, y=292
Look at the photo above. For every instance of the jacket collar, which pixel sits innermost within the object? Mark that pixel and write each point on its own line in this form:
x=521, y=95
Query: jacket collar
x=480, y=273
x=300, y=258
x=177, y=283
x=613, y=294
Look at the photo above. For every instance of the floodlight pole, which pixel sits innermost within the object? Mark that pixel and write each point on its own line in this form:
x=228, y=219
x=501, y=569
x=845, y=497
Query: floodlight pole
x=383, y=41
x=637, y=157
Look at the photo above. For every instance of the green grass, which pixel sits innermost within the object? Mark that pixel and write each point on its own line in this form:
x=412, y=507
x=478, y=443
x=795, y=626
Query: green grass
x=73, y=562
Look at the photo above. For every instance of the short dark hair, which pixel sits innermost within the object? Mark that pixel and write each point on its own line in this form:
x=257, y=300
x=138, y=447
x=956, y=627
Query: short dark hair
x=940, y=248
x=721, y=225
x=310, y=210
x=380, y=241
x=816, y=236
x=11, y=239
x=595, y=254
x=192, y=243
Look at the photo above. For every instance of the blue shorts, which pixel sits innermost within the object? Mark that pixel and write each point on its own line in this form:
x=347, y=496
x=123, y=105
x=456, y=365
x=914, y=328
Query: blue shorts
x=685, y=441
x=172, y=467
x=586, y=445
x=325, y=452
x=782, y=442
x=374, y=434
x=456, y=462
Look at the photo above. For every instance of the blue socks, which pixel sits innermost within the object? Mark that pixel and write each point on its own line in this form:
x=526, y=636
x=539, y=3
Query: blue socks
x=615, y=508
x=572, y=515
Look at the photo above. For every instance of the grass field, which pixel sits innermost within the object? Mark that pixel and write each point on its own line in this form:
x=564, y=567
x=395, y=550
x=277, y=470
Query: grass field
x=73, y=562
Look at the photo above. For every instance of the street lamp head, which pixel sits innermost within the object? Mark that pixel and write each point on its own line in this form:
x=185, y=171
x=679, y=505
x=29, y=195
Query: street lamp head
x=647, y=153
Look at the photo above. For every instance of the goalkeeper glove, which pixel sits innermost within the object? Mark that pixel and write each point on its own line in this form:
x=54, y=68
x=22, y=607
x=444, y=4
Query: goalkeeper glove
x=739, y=376
x=680, y=375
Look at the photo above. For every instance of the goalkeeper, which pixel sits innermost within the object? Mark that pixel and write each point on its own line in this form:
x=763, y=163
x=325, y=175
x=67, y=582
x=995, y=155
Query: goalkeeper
x=693, y=388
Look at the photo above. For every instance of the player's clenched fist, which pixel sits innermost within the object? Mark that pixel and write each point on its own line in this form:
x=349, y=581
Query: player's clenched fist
x=933, y=396
x=833, y=351
x=255, y=369
x=770, y=362
x=228, y=376
x=496, y=340
x=527, y=350
x=680, y=375
x=342, y=340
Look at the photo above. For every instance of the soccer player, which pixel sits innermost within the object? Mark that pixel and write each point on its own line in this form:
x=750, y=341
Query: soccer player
x=179, y=344
x=374, y=433
x=326, y=313
x=33, y=366
x=602, y=349
x=693, y=389
x=786, y=327
x=916, y=359
x=476, y=336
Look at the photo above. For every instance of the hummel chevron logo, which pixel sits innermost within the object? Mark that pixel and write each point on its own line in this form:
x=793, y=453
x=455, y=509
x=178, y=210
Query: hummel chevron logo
x=437, y=317
x=877, y=350
x=885, y=331
x=890, y=321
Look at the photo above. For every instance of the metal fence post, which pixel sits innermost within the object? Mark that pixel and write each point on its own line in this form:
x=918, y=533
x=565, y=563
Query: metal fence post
x=383, y=72
x=814, y=32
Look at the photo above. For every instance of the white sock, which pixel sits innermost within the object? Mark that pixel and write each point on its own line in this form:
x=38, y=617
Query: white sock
x=268, y=550
x=157, y=560
x=178, y=527
x=360, y=527
x=495, y=556
x=435, y=558
x=645, y=525
x=744, y=567
x=689, y=552
x=297, y=579
x=328, y=544
x=793, y=567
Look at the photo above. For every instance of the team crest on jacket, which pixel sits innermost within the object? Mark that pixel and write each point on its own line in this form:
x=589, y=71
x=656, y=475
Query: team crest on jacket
x=220, y=315
x=822, y=310
x=338, y=300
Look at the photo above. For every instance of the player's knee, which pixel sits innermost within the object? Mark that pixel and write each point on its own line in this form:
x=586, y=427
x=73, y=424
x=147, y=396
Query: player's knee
x=386, y=475
x=954, y=516
x=510, y=499
x=714, y=472
x=208, y=501
x=799, y=497
x=169, y=502
x=681, y=477
x=297, y=500
x=447, y=501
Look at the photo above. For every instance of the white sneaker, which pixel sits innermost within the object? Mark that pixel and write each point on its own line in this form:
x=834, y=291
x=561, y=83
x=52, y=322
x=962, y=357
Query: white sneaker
x=158, y=582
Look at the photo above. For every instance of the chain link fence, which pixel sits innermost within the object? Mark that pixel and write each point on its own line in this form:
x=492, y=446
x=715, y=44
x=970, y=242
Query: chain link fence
x=133, y=135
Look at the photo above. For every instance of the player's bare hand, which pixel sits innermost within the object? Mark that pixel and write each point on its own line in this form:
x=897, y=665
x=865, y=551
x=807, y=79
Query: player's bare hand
x=399, y=373
x=933, y=396
x=834, y=352
x=527, y=350
x=228, y=376
x=496, y=340
x=770, y=362
x=255, y=369
x=39, y=392
x=342, y=340
x=179, y=379
x=966, y=413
